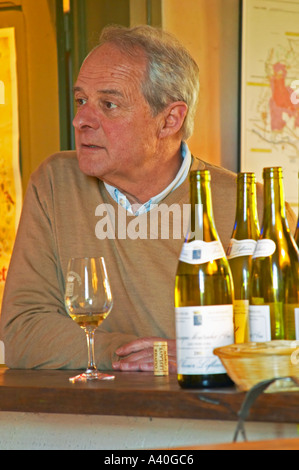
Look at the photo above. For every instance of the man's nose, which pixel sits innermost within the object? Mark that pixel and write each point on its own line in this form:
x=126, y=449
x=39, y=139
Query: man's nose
x=86, y=117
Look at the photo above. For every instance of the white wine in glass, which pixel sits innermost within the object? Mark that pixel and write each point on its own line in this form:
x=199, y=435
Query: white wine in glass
x=88, y=300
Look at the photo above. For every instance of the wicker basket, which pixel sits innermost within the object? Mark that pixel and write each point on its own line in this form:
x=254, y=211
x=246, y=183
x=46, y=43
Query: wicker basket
x=250, y=363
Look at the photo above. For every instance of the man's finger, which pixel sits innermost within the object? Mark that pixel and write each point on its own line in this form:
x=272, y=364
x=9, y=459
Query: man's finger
x=136, y=345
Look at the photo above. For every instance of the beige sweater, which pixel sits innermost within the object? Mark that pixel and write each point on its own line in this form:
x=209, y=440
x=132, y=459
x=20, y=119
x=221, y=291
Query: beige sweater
x=63, y=217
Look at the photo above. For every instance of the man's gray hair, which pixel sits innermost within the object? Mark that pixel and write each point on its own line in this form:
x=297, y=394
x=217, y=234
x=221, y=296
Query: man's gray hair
x=172, y=73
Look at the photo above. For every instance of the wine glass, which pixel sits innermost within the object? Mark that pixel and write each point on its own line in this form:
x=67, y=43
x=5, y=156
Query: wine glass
x=88, y=301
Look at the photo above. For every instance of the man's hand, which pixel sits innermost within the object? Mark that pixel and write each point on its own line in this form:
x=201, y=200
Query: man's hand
x=139, y=355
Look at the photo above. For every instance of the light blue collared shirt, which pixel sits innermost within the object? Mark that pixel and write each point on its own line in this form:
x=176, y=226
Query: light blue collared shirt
x=122, y=200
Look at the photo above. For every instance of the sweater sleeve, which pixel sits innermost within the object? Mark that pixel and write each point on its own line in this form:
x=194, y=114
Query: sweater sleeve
x=35, y=328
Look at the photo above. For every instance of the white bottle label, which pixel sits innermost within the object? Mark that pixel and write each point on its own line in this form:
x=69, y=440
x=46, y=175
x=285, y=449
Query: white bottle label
x=199, y=330
x=200, y=252
x=240, y=248
x=264, y=247
x=259, y=323
x=297, y=323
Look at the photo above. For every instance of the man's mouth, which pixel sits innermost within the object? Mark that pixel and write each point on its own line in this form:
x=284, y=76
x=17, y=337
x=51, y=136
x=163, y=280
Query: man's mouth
x=91, y=146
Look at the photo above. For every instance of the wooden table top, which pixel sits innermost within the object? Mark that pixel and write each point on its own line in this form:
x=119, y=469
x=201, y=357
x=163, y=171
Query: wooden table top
x=135, y=394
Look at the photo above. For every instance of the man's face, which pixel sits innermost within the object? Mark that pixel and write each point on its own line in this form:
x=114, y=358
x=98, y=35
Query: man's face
x=116, y=133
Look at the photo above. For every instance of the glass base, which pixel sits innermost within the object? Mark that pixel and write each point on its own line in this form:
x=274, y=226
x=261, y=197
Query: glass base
x=91, y=375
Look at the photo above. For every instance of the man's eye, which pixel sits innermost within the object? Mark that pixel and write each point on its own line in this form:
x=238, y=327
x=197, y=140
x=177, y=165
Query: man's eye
x=80, y=102
x=110, y=105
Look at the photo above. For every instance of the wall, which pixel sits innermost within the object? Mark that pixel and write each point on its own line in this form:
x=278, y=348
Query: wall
x=102, y=12
x=37, y=77
x=210, y=30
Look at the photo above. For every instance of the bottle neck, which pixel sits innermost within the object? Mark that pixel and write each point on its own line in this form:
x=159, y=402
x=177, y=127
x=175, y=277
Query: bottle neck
x=274, y=202
x=202, y=226
x=246, y=222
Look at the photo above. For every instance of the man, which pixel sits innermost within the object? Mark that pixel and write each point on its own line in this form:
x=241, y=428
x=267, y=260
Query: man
x=136, y=95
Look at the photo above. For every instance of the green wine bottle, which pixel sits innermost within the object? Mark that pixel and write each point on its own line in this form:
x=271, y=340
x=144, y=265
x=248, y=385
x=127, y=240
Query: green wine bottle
x=203, y=295
x=274, y=256
x=291, y=307
x=292, y=296
x=241, y=248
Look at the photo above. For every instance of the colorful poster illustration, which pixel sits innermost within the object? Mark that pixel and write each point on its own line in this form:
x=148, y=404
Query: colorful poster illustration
x=270, y=90
x=10, y=179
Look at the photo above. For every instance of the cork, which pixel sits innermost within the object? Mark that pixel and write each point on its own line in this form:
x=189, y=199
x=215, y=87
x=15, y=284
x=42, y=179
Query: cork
x=160, y=358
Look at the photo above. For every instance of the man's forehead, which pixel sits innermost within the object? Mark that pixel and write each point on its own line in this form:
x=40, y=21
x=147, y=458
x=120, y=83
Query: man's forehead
x=111, y=55
x=107, y=64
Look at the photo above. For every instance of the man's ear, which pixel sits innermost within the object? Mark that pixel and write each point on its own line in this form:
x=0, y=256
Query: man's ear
x=173, y=118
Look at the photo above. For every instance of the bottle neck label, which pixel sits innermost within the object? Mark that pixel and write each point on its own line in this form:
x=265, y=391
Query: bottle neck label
x=200, y=252
x=240, y=248
x=264, y=248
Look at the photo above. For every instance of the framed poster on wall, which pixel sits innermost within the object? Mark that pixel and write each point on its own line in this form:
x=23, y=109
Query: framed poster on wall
x=10, y=179
x=270, y=90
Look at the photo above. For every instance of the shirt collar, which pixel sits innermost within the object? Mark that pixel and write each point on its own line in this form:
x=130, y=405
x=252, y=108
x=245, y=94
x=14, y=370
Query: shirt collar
x=178, y=180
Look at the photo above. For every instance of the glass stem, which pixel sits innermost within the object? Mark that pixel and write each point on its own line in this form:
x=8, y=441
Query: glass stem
x=90, y=347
